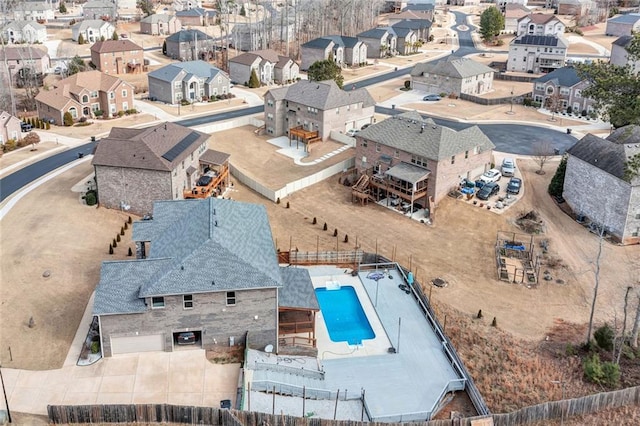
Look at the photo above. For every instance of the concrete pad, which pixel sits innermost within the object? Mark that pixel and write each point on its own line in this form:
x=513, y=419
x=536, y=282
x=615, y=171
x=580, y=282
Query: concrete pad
x=154, y=362
x=121, y=366
x=80, y=398
x=50, y=396
x=186, y=398
x=186, y=381
x=30, y=379
x=61, y=377
x=114, y=398
x=22, y=400
x=111, y=384
x=158, y=397
x=151, y=383
x=221, y=378
x=94, y=370
x=87, y=384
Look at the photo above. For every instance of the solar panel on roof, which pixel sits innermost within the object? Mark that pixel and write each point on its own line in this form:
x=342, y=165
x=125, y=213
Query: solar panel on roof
x=179, y=148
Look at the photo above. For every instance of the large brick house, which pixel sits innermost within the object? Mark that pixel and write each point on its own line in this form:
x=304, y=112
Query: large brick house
x=83, y=95
x=316, y=106
x=562, y=88
x=160, y=24
x=269, y=66
x=30, y=58
x=191, y=80
x=196, y=16
x=189, y=45
x=513, y=12
x=596, y=185
x=537, y=54
x=204, y=266
x=135, y=167
x=344, y=50
x=413, y=158
x=454, y=75
x=117, y=56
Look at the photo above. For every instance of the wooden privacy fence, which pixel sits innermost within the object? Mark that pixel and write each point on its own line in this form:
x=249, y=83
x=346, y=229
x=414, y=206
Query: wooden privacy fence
x=326, y=257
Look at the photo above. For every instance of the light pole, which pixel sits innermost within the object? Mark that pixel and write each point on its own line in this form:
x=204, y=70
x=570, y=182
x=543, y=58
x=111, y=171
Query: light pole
x=6, y=401
x=561, y=383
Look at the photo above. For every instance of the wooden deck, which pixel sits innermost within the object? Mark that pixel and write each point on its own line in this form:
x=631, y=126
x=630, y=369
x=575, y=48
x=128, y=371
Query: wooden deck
x=215, y=187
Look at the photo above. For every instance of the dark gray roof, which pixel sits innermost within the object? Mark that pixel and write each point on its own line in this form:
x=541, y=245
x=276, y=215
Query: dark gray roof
x=198, y=68
x=402, y=31
x=376, y=33
x=196, y=246
x=156, y=18
x=297, y=289
x=452, y=67
x=538, y=40
x=196, y=11
x=414, y=24
x=408, y=172
x=610, y=154
x=324, y=95
x=318, y=43
x=188, y=35
x=419, y=6
x=412, y=133
x=565, y=77
x=623, y=41
x=630, y=18
x=344, y=41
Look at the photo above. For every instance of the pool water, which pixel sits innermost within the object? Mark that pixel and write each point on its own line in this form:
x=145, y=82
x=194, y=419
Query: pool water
x=344, y=316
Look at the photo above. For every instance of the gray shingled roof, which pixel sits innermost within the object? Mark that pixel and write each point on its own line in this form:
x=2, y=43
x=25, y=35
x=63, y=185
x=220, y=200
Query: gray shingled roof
x=610, y=154
x=414, y=24
x=623, y=41
x=344, y=41
x=297, y=290
x=145, y=148
x=630, y=18
x=188, y=35
x=376, y=33
x=196, y=246
x=452, y=67
x=565, y=77
x=199, y=68
x=156, y=18
x=324, y=95
x=19, y=25
x=196, y=11
x=318, y=43
x=405, y=132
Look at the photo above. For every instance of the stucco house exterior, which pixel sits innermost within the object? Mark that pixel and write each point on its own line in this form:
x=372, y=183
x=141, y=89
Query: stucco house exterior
x=422, y=27
x=33, y=58
x=9, y=127
x=190, y=45
x=117, y=56
x=99, y=9
x=349, y=51
x=24, y=32
x=196, y=16
x=83, y=94
x=596, y=185
x=406, y=40
x=191, y=80
x=540, y=24
x=380, y=42
x=34, y=11
x=623, y=25
x=316, y=106
x=620, y=54
x=413, y=158
x=135, y=167
x=562, y=87
x=453, y=75
x=537, y=54
x=270, y=67
x=144, y=304
x=92, y=30
x=160, y=24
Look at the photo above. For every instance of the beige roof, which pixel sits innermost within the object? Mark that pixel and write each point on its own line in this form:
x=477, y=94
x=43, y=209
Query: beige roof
x=541, y=18
x=516, y=10
x=159, y=147
x=57, y=98
x=109, y=46
x=22, y=52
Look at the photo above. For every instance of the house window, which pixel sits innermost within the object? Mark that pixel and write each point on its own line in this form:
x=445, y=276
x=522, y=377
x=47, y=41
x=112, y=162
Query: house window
x=124, y=93
x=74, y=112
x=231, y=298
x=396, y=154
x=85, y=99
x=364, y=143
x=112, y=95
x=453, y=159
x=337, y=111
x=125, y=106
x=187, y=301
x=377, y=147
x=157, y=302
x=466, y=154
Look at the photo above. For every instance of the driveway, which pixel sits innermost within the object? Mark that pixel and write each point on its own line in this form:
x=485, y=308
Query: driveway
x=183, y=377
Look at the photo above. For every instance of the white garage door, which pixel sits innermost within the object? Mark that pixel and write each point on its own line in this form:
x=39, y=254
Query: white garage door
x=125, y=345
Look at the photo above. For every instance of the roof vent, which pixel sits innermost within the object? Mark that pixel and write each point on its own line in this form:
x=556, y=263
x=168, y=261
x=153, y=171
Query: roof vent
x=182, y=267
x=213, y=282
x=215, y=223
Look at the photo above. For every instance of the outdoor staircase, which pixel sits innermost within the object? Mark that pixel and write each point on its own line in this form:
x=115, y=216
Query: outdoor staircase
x=294, y=382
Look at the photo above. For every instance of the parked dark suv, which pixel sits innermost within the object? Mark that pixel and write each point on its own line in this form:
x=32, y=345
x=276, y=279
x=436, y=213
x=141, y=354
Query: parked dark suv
x=26, y=127
x=514, y=186
x=186, y=338
x=488, y=190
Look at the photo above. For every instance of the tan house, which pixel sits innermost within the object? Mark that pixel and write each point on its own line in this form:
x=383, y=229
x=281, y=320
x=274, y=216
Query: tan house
x=513, y=12
x=9, y=127
x=29, y=58
x=269, y=66
x=453, y=75
x=117, y=57
x=160, y=24
x=85, y=94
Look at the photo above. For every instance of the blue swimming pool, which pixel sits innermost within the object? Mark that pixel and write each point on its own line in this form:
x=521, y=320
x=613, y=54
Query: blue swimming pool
x=344, y=316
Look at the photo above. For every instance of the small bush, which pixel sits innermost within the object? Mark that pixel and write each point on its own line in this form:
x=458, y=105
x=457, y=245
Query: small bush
x=604, y=337
x=120, y=113
x=47, y=125
x=288, y=204
x=95, y=347
x=118, y=239
x=184, y=102
x=67, y=119
x=114, y=243
x=98, y=113
x=126, y=226
x=593, y=369
x=479, y=316
x=610, y=374
x=130, y=252
x=494, y=323
x=129, y=220
x=570, y=350
x=110, y=249
x=335, y=232
x=346, y=238
x=407, y=84
x=584, y=113
x=324, y=228
x=90, y=198
x=569, y=109
x=315, y=221
x=122, y=230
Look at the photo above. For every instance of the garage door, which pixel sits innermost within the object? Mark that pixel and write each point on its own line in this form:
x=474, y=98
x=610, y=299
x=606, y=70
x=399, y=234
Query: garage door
x=125, y=345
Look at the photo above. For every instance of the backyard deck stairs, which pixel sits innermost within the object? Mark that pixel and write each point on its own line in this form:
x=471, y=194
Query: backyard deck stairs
x=289, y=384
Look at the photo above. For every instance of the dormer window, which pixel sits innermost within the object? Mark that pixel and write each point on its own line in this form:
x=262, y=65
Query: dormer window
x=85, y=99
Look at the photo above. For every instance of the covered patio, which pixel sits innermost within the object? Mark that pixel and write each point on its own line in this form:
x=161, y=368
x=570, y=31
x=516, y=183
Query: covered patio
x=403, y=185
x=297, y=309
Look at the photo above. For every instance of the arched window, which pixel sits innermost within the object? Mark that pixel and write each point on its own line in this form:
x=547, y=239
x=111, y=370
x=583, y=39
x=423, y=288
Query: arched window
x=549, y=90
x=85, y=99
x=74, y=112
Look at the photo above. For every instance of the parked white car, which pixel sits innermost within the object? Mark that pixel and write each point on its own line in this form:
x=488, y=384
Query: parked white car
x=352, y=132
x=508, y=167
x=492, y=175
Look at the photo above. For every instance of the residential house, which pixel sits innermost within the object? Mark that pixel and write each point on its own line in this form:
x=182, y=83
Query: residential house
x=85, y=94
x=397, y=6
x=186, y=4
x=344, y=50
x=513, y=12
x=117, y=56
x=573, y=7
x=406, y=40
x=422, y=27
x=316, y=106
x=381, y=42
x=160, y=24
x=143, y=305
x=136, y=167
x=190, y=45
x=502, y=4
x=196, y=16
x=23, y=61
x=599, y=186
x=622, y=25
x=464, y=2
x=562, y=88
x=191, y=80
x=269, y=66
x=100, y=9
x=421, y=10
x=453, y=75
x=537, y=54
x=92, y=30
x=540, y=24
x=24, y=32
x=413, y=158
x=9, y=128
x=34, y=11
x=620, y=54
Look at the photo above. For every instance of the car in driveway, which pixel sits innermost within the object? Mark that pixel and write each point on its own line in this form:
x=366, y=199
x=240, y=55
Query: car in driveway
x=508, y=167
x=186, y=338
x=432, y=97
x=514, y=185
x=492, y=175
x=26, y=127
x=352, y=132
x=488, y=190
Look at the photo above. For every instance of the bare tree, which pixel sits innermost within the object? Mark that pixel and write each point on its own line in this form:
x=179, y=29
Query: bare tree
x=542, y=151
x=636, y=327
x=621, y=340
x=597, y=282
